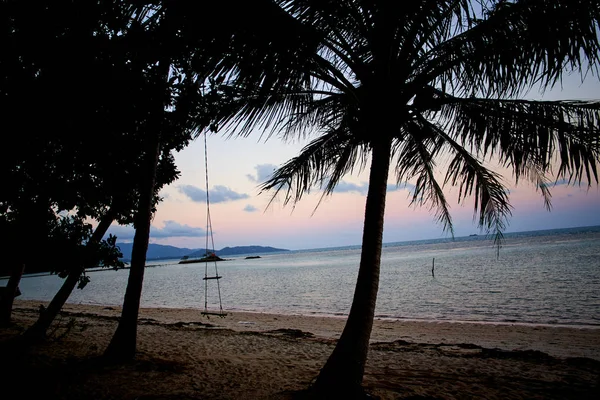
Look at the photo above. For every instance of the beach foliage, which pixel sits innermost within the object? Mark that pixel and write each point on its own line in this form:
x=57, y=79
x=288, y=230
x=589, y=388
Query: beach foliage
x=79, y=92
x=69, y=96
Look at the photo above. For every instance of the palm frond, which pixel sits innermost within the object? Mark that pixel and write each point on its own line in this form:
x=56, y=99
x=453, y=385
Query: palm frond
x=237, y=111
x=416, y=154
x=528, y=135
x=542, y=183
x=343, y=29
x=516, y=45
x=321, y=164
x=430, y=23
x=322, y=114
x=491, y=205
x=247, y=50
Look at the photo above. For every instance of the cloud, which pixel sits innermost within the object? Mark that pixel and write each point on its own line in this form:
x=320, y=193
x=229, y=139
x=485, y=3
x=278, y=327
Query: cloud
x=263, y=173
x=250, y=208
x=573, y=182
x=561, y=182
x=221, y=194
x=121, y=232
x=347, y=187
x=402, y=186
x=170, y=229
x=193, y=192
x=175, y=229
x=218, y=194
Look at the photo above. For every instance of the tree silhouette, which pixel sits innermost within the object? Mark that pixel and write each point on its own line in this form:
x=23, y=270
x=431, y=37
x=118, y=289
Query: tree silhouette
x=83, y=152
x=176, y=109
x=429, y=89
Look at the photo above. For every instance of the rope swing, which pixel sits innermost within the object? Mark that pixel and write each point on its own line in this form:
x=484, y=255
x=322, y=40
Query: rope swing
x=210, y=251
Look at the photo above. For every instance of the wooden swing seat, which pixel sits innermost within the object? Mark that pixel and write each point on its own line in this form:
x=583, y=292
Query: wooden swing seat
x=218, y=314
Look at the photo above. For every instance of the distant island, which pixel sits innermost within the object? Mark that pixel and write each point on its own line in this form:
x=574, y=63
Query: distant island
x=163, y=252
x=209, y=257
x=238, y=250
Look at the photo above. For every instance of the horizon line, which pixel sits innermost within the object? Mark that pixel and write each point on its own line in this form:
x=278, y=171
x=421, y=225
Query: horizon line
x=485, y=235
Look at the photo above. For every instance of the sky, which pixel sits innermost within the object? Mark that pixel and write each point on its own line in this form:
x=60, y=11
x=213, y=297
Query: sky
x=241, y=216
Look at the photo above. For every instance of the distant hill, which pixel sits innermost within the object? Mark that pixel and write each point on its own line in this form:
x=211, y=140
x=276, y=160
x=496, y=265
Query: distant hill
x=159, y=251
x=156, y=251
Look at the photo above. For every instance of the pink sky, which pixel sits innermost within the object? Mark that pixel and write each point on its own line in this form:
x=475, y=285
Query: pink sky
x=242, y=218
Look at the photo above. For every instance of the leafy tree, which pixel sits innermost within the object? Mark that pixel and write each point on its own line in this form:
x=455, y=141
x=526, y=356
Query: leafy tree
x=432, y=90
x=177, y=109
x=82, y=153
x=115, y=71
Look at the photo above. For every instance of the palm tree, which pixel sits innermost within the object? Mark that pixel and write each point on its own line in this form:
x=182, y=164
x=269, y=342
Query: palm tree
x=430, y=89
x=175, y=107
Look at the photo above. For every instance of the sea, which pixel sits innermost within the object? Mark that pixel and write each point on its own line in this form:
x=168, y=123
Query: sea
x=549, y=277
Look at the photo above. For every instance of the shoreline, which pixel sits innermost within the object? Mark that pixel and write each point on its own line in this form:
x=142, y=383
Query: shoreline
x=400, y=319
x=344, y=316
x=182, y=354
x=556, y=341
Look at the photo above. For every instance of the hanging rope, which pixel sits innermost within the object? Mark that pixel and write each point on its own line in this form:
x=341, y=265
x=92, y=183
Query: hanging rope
x=210, y=255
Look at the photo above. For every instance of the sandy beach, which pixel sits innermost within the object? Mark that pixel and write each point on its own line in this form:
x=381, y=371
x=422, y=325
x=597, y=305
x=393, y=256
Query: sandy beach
x=184, y=355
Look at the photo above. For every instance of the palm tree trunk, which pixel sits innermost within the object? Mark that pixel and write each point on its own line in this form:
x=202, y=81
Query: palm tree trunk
x=122, y=346
x=8, y=294
x=38, y=330
x=342, y=375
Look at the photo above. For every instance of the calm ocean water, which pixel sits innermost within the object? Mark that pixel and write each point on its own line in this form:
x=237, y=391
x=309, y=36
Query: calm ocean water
x=540, y=277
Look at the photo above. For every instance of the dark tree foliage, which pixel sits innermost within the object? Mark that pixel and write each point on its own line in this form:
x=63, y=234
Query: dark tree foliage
x=427, y=90
x=75, y=109
x=178, y=111
x=79, y=90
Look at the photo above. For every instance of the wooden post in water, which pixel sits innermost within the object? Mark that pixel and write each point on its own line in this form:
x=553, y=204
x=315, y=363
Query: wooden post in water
x=433, y=267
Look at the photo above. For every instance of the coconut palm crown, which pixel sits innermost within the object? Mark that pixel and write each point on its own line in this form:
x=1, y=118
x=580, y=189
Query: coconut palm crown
x=431, y=90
